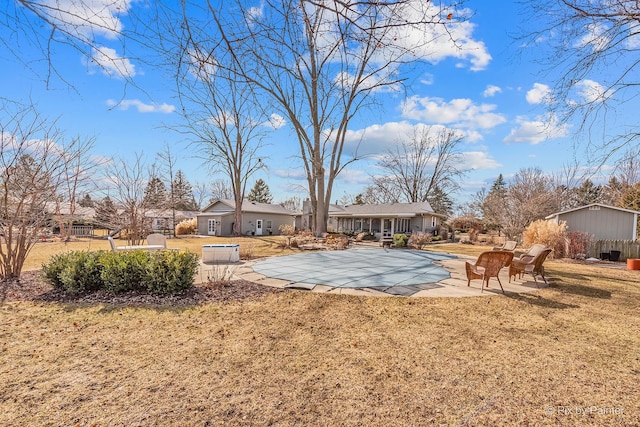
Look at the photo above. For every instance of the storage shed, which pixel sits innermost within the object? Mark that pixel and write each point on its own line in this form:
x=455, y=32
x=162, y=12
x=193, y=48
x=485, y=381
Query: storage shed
x=603, y=222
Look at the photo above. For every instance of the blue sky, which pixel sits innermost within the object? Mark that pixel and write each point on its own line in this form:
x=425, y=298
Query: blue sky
x=493, y=91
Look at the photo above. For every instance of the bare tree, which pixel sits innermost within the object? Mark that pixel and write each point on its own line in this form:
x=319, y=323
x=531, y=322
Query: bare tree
x=220, y=189
x=128, y=179
x=223, y=118
x=426, y=164
x=628, y=167
x=76, y=176
x=382, y=190
x=201, y=193
x=32, y=164
x=318, y=64
x=586, y=38
x=93, y=28
x=292, y=204
x=529, y=198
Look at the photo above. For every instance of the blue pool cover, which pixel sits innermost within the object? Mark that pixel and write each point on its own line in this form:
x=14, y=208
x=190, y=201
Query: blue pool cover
x=357, y=268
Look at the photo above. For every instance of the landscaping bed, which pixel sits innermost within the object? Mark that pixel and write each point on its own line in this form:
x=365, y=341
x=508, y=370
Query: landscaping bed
x=33, y=287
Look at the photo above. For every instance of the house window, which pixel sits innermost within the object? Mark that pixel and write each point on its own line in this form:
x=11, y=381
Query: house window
x=404, y=225
x=434, y=222
x=269, y=224
x=594, y=208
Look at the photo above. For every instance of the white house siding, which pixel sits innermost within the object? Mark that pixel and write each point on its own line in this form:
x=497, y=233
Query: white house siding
x=603, y=223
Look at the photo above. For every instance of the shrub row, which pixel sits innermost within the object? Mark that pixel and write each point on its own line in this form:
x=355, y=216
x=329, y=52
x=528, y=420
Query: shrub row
x=163, y=272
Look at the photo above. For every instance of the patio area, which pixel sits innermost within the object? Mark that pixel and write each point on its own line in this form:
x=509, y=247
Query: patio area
x=377, y=272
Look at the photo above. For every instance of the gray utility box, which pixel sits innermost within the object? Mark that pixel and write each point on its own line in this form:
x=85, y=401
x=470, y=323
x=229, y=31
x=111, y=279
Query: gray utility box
x=221, y=253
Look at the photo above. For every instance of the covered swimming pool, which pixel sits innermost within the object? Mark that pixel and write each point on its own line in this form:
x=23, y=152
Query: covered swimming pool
x=393, y=271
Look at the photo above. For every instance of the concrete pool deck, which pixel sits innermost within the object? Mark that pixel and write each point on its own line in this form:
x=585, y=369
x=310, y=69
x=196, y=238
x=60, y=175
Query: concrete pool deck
x=374, y=272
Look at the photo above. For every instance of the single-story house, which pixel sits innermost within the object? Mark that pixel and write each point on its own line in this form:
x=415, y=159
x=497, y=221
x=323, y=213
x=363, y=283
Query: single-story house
x=603, y=222
x=258, y=219
x=82, y=219
x=380, y=220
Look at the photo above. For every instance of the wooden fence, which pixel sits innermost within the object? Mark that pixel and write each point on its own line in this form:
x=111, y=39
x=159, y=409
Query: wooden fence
x=627, y=248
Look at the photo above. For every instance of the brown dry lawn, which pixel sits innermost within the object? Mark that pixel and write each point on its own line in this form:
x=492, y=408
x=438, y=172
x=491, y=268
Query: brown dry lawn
x=565, y=355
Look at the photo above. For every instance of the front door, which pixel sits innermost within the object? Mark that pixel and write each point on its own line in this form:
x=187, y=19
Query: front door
x=211, y=227
x=258, y=227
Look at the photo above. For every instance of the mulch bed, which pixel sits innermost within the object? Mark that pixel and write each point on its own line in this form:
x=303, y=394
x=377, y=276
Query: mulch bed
x=33, y=287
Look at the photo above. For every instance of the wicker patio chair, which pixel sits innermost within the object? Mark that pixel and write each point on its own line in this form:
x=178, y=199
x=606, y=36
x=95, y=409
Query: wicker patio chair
x=533, y=265
x=509, y=245
x=488, y=265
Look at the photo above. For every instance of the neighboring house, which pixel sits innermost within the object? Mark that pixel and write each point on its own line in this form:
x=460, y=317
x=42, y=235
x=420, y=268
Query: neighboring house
x=603, y=222
x=382, y=219
x=82, y=219
x=162, y=219
x=258, y=219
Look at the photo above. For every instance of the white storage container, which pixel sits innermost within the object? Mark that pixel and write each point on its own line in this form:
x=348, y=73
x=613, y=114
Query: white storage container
x=221, y=253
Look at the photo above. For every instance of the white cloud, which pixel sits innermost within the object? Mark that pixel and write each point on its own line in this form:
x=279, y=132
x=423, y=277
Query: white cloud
x=436, y=40
x=354, y=177
x=591, y=91
x=111, y=63
x=427, y=79
x=85, y=19
x=537, y=131
x=255, y=13
x=296, y=174
x=374, y=140
x=275, y=121
x=473, y=136
x=596, y=36
x=461, y=112
x=141, y=106
x=539, y=94
x=374, y=82
x=491, y=90
x=478, y=160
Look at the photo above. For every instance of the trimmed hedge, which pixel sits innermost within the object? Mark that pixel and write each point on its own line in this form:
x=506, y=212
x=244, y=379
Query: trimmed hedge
x=75, y=272
x=400, y=240
x=163, y=272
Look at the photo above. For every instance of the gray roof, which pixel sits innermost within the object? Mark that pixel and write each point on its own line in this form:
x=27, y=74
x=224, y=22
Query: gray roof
x=168, y=213
x=387, y=209
x=65, y=210
x=247, y=206
x=588, y=206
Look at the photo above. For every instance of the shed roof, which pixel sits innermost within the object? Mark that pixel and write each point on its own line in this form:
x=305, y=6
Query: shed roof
x=248, y=206
x=588, y=206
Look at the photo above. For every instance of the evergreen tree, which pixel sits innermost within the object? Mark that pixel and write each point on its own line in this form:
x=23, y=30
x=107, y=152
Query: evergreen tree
x=494, y=205
x=586, y=194
x=155, y=194
x=499, y=187
x=183, y=193
x=440, y=201
x=260, y=193
x=106, y=212
x=86, y=201
x=630, y=199
x=613, y=191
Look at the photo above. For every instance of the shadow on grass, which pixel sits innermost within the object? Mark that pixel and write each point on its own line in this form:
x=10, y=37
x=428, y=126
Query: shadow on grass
x=560, y=284
x=540, y=301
